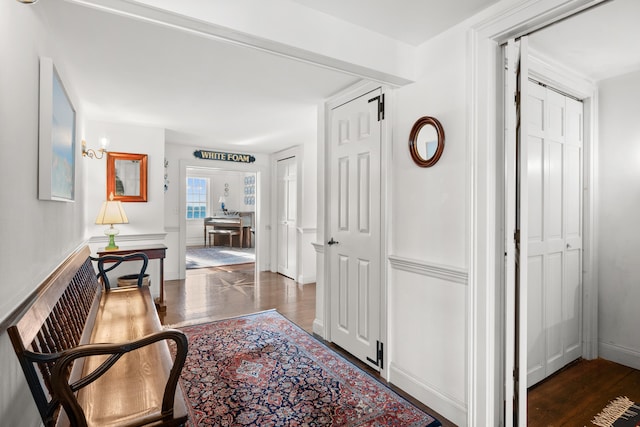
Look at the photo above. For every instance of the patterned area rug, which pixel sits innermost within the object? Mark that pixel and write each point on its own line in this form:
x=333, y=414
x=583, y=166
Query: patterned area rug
x=199, y=257
x=263, y=370
x=620, y=412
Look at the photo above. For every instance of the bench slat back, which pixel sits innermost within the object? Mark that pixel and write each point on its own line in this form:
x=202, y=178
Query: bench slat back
x=55, y=321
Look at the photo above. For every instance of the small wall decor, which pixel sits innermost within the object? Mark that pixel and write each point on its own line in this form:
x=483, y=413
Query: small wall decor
x=426, y=141
x=166, y=175
x=249, y=190
x=127, y=176
x=57, y=137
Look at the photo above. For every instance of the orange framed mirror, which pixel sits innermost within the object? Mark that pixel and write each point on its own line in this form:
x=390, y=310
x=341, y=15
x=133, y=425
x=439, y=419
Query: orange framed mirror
x=127, y=177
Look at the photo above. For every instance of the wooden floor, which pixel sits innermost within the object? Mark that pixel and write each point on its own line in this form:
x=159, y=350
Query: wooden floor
x=573, y=396
x=220, y=292
x=569, y=398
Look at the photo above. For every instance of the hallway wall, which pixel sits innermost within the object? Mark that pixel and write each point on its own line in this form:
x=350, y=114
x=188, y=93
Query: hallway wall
x=619, y=245
x=37, y=235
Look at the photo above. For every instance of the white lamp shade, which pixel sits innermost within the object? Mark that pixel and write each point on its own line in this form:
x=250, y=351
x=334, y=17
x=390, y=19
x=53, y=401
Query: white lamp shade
x=222, y=199
x=112, y=212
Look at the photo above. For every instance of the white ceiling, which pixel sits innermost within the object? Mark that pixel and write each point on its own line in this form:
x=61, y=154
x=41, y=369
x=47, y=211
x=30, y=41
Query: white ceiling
x=207, y=92
x=410, y=21
x=599, y=43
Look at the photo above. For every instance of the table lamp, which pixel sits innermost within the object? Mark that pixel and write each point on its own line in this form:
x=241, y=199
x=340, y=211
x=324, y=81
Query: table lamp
x=222, y=200
x=111, y=213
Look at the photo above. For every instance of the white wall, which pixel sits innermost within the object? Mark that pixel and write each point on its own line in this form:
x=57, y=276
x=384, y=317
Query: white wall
x=427, y=308
x=619, y=204
x=36, y=235
x=146, y=219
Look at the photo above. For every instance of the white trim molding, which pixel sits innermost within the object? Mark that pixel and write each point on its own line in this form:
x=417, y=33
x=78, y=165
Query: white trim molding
x=425, y=392
x=619, y=354
x=425, y=268
x=128, y=238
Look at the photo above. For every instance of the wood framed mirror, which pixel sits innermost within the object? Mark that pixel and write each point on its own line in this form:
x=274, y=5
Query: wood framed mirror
x=426, y=141
x=127, y=177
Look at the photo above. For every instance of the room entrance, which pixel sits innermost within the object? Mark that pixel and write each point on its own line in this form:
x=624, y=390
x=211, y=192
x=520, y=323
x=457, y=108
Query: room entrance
x=220, y=217
x=544, y=148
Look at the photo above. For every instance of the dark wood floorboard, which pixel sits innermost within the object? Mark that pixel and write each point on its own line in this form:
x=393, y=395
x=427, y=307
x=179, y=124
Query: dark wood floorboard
x=221, y=292
x=575, y=394
x=571, y=397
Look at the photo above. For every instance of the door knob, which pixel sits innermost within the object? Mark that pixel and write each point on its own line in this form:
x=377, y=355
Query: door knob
x=332, y=242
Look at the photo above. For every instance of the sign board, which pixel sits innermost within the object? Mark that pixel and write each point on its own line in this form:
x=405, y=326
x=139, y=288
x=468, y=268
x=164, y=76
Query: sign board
x=226, y=157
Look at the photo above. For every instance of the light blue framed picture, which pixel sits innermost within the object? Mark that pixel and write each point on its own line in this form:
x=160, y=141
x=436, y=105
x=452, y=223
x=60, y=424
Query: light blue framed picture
x=57, y=138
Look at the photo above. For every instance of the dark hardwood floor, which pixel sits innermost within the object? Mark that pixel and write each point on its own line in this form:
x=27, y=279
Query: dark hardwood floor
x=221, y=292
x=571, y=397
x=575, y=394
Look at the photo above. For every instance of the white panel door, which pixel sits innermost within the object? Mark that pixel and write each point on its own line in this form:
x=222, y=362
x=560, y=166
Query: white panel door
x=555, y=231
x=354, y=227
x=287, y=201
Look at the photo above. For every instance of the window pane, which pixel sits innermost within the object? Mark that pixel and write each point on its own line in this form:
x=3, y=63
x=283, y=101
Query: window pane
x=197, y=190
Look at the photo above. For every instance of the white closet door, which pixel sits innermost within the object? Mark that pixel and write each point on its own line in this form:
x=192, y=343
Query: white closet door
x=555, y=231
x=287, y=218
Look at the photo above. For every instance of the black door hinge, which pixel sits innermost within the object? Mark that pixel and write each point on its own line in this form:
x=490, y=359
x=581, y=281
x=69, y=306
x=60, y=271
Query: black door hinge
x=379, y=355
x=380, y=99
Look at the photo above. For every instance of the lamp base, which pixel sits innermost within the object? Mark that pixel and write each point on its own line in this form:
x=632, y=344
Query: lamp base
x=111, y=232
x=112, y=243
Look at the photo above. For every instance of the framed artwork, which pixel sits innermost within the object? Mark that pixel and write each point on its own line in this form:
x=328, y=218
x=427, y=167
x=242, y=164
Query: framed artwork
x=57, y=138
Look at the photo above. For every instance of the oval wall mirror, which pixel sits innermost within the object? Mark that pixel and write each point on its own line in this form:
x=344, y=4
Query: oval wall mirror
x=426, y=141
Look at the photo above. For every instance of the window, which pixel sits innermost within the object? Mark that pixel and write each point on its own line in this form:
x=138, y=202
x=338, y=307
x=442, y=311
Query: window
x=197, y=190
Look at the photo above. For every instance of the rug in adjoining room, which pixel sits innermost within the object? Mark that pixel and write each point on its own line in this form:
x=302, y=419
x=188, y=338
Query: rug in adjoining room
x=620, y=412
x=216, y=256
x=263, y=370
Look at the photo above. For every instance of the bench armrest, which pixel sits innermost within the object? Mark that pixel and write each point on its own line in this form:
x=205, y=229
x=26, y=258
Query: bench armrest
x=116, y=260
x=65, y=392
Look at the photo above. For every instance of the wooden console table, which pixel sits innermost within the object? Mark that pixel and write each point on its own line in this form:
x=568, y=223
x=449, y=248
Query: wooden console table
x=157, y=251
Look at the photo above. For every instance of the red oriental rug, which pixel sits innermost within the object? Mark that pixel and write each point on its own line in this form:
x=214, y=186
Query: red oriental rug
x=263, y=370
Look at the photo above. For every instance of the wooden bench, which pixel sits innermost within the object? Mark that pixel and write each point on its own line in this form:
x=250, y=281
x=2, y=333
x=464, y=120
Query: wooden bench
x=220, y=232
x=96, y=356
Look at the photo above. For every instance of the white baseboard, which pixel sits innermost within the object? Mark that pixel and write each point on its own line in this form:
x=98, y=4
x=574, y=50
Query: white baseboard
x=306, y=279
x=618, y=354
x=447, y=406
x=171, y=275
x=318, y=327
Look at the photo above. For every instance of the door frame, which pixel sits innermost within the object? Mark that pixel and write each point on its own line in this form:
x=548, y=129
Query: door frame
x=276, y=157
x=359, y=89
x=485, y=350
x=560, y=79
x=260, y=212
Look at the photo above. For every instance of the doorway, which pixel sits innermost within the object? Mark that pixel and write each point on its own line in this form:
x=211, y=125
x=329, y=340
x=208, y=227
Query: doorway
x=546, y=136
x=220, y=217
x=243, y=210
x=354, y=216
x=287, y=201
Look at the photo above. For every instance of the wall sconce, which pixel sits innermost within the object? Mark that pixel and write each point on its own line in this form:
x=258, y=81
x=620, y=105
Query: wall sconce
x=93, y=154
